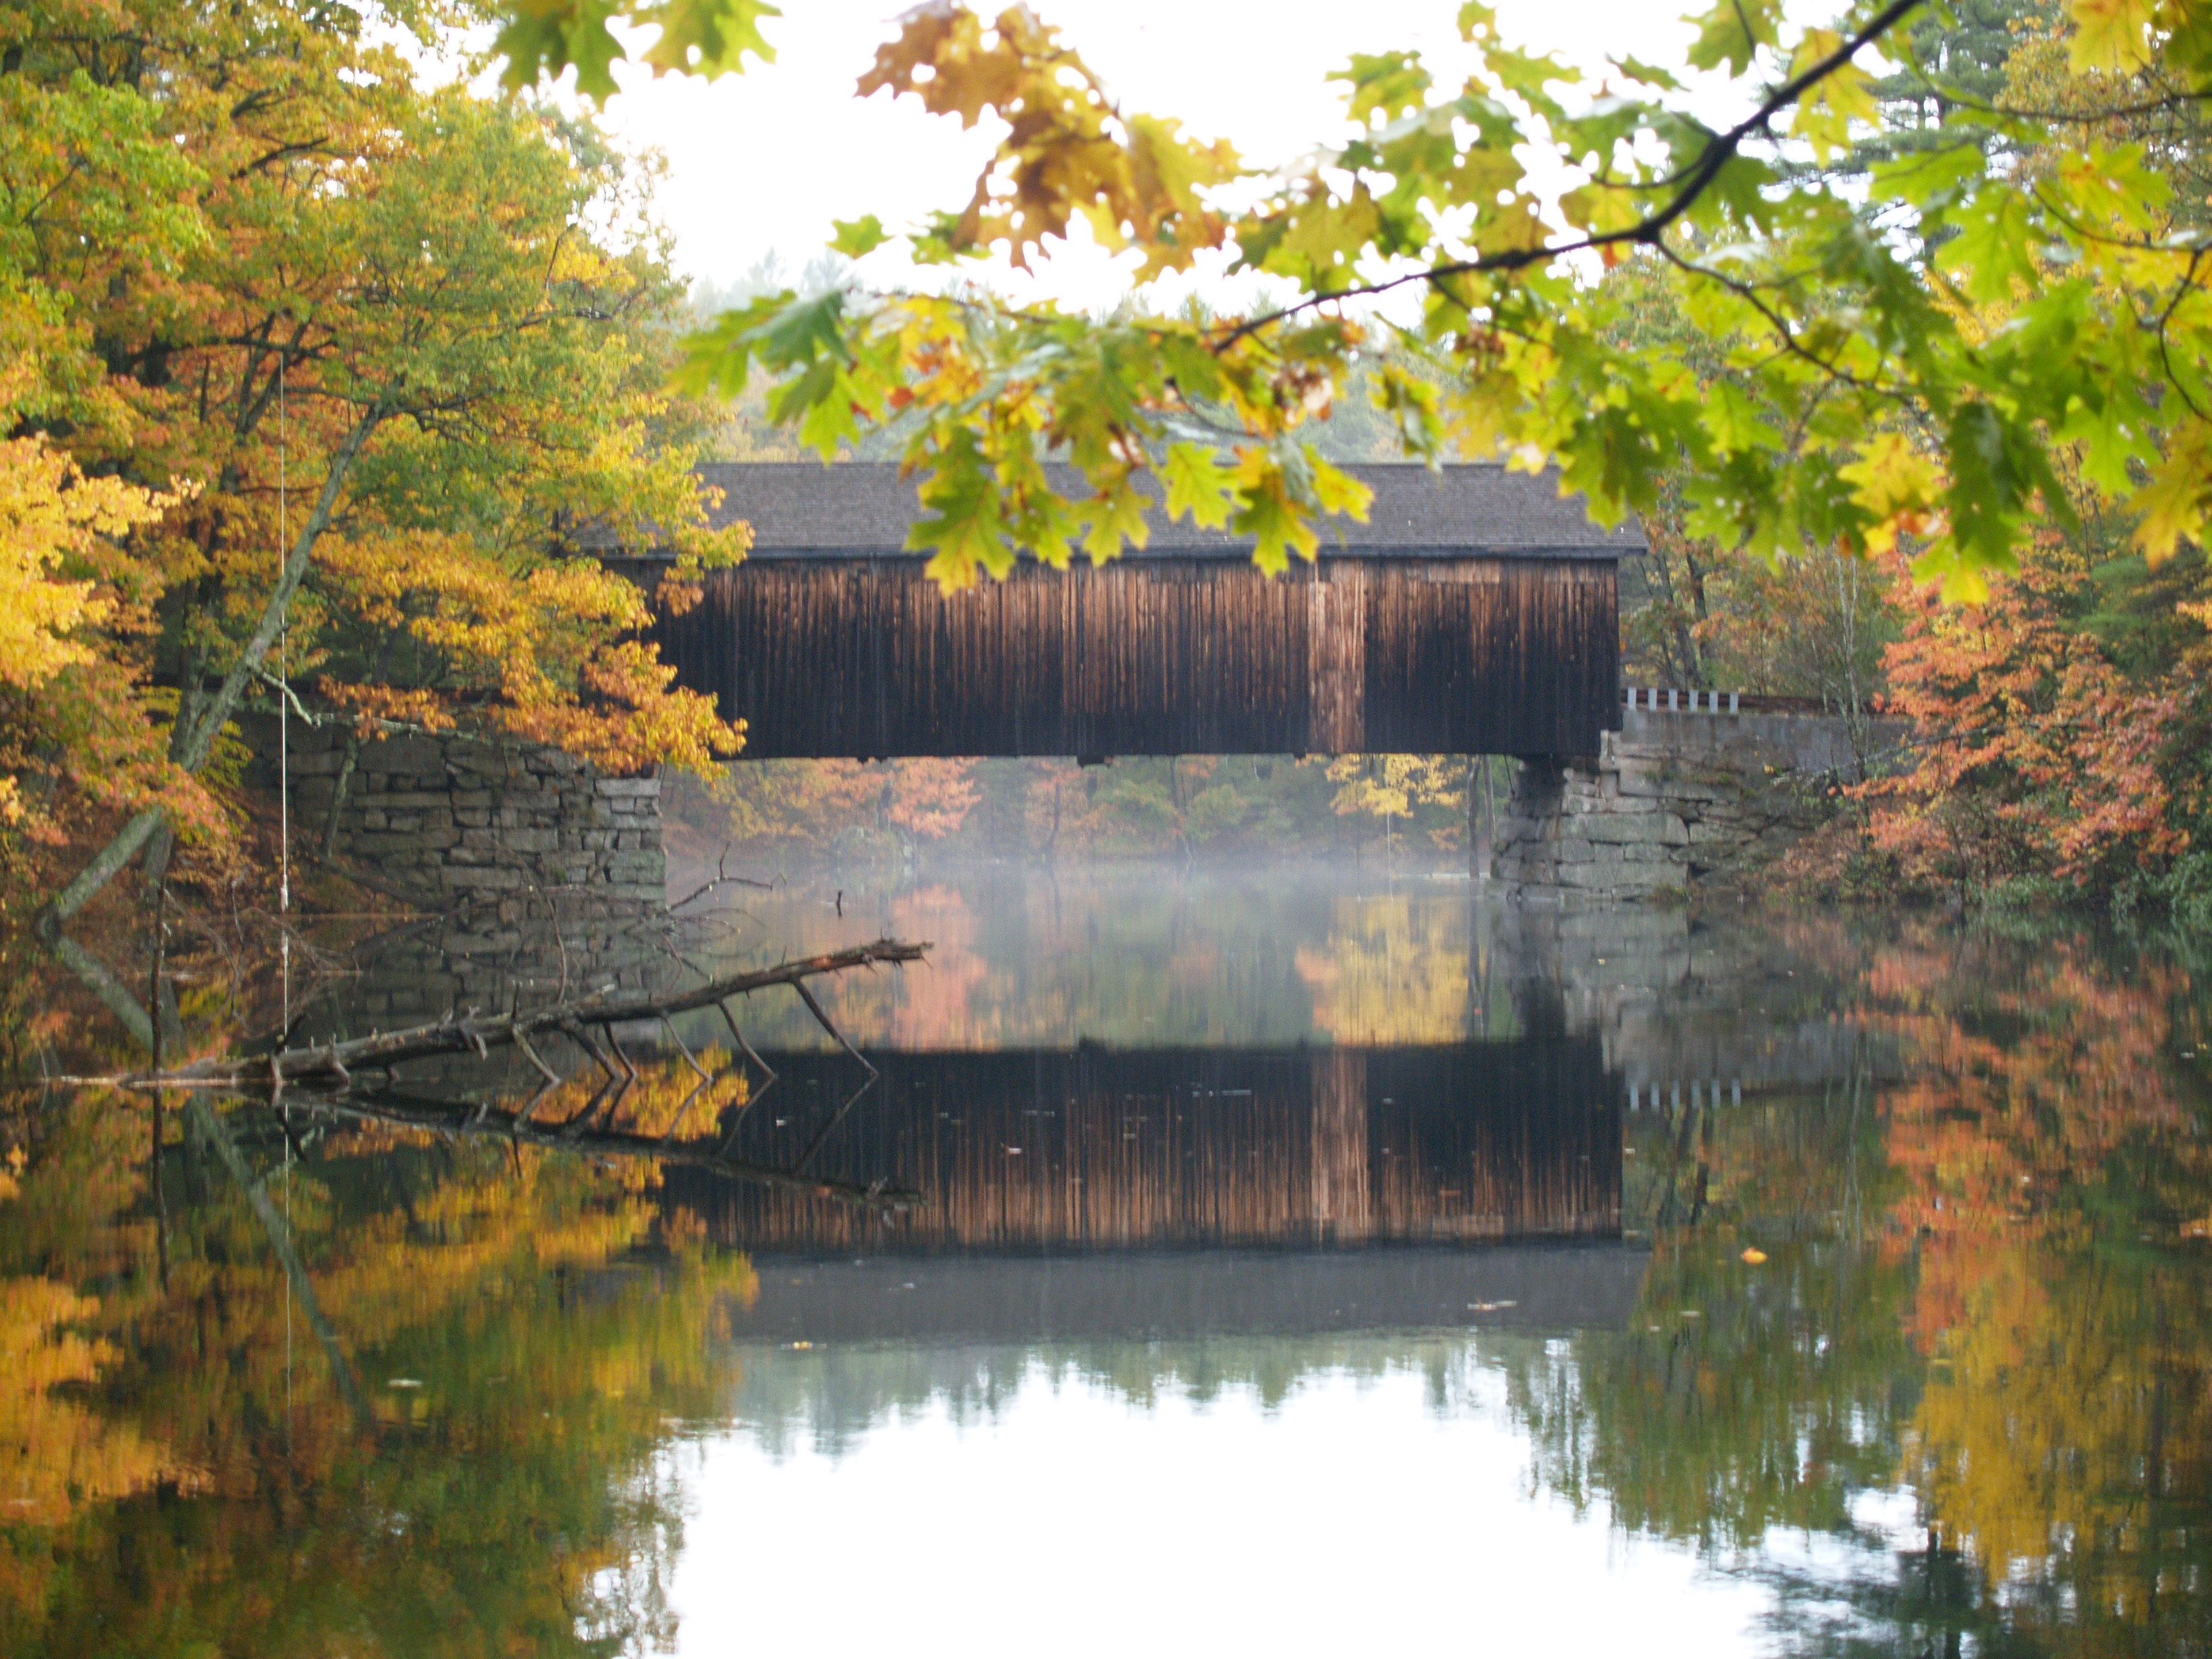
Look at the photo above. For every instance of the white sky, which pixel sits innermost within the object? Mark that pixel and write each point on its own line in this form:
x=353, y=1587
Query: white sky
x=767, y=160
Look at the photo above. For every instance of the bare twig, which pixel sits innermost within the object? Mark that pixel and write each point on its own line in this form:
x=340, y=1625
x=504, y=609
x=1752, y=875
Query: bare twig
x=722, y=878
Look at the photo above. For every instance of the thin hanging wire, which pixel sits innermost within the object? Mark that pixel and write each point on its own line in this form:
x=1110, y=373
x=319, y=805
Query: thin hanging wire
x=286, y=1110
x=284, y=714
x=284, y=839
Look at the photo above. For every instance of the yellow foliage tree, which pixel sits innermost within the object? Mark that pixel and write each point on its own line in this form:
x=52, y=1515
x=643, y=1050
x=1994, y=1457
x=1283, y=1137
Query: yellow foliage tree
x=50, y=516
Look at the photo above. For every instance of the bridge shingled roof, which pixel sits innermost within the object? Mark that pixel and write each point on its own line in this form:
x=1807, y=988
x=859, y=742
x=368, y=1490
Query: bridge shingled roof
x=858, y=509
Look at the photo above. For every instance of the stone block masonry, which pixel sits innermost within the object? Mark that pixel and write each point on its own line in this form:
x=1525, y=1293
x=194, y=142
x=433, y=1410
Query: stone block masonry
x=444, y=819
x=1674, y=800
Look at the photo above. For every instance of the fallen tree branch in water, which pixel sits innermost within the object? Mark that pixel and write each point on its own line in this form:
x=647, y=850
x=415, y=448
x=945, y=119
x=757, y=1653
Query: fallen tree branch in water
x=335, y=1063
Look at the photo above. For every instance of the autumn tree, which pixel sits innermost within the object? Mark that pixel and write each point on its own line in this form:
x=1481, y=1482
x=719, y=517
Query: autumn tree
x=2060, y=726
x=394, y=356
x=1396, y=788
x=2037, y=756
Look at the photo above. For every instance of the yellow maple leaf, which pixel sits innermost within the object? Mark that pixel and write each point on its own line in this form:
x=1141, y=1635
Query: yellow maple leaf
x=2171, y=504
x=2109, y=34
x=1896, y=482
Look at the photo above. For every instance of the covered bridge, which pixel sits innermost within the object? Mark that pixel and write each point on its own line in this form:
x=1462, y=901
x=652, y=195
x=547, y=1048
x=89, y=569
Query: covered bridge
x=1475, y=612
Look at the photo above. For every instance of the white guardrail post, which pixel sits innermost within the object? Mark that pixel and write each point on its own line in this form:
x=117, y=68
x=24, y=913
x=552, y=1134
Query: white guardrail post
x=1706, y=702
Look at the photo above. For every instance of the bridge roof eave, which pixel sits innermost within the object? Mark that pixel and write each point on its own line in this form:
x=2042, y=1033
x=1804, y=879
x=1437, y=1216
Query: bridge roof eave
x=864, y=510
x=1181, y=555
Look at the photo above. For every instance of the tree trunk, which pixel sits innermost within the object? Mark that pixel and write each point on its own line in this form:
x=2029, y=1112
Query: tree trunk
x=193, y=741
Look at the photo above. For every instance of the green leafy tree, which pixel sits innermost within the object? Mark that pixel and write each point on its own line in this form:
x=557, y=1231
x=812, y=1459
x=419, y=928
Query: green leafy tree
x=1866, y=402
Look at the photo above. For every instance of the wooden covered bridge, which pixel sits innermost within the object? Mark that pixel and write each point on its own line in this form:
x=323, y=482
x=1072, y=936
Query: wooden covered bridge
x=1475, y=612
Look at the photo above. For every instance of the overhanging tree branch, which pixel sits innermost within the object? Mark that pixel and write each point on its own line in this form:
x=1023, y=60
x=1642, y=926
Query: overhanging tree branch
x=1722, y=148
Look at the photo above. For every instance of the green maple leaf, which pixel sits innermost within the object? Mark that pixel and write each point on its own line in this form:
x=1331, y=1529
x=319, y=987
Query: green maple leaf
x=1199, y=485
x=857, y=238
x=707, y=38
x=1928, y=178
x=802, y=330
x=1998, y=469
x=1993, y=246
x=964, y=527
x=576, y=35
x=1277, y=523
x=1733, y=32
x=1388, y=84
x=1114, y=516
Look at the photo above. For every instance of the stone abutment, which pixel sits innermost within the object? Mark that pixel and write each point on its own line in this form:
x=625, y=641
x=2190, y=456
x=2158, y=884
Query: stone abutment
x=445, y=817
x=1677, y=799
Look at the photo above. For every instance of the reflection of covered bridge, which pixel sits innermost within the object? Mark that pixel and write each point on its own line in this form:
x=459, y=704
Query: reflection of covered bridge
x=1117, y=1149
x=1474, y=613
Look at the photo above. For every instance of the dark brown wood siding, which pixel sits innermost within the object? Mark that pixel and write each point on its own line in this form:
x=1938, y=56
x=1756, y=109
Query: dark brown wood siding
x=864, y=658
x=1190, y=1148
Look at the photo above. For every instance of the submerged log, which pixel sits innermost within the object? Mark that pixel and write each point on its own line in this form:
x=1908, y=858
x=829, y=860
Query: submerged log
x=336, y=1062
x=440, y=1118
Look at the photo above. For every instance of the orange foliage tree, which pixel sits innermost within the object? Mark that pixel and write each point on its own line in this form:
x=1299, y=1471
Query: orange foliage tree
x=2035, y=753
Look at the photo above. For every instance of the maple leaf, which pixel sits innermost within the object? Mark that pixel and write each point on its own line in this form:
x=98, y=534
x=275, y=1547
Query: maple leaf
x=2172, y=504
x=1199, y=485
x=2110, y=35
x=1271, y=514
x=1732, y=32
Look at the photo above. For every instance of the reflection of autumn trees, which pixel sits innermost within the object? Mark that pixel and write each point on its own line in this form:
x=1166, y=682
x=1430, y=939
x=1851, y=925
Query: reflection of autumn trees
x=58, y=1453
x=524, y=1324
x=1397, y=968
x=2055, y=1171
x=1743, y=1396
x=1988, y=1285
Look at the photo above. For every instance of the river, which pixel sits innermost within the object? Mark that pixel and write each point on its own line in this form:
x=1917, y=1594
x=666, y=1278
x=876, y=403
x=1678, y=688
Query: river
x=1287, y=1262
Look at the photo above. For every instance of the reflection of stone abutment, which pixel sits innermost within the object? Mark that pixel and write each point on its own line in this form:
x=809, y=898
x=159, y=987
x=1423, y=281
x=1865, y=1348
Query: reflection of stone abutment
x=1675, y=1004
x=1097, y=1149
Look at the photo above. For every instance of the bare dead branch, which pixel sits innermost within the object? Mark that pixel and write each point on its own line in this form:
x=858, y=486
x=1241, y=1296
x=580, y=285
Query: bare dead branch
x=330, y=1062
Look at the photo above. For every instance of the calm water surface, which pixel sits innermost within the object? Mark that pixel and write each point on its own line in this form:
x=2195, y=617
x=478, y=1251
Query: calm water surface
x=1300, y=1264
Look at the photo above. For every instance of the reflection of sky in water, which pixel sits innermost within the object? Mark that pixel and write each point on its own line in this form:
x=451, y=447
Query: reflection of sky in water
x=1359, y=1513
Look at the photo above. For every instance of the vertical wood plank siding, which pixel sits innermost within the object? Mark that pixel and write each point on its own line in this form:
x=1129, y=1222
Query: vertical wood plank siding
x=864, y=658
x=1203, y=1148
